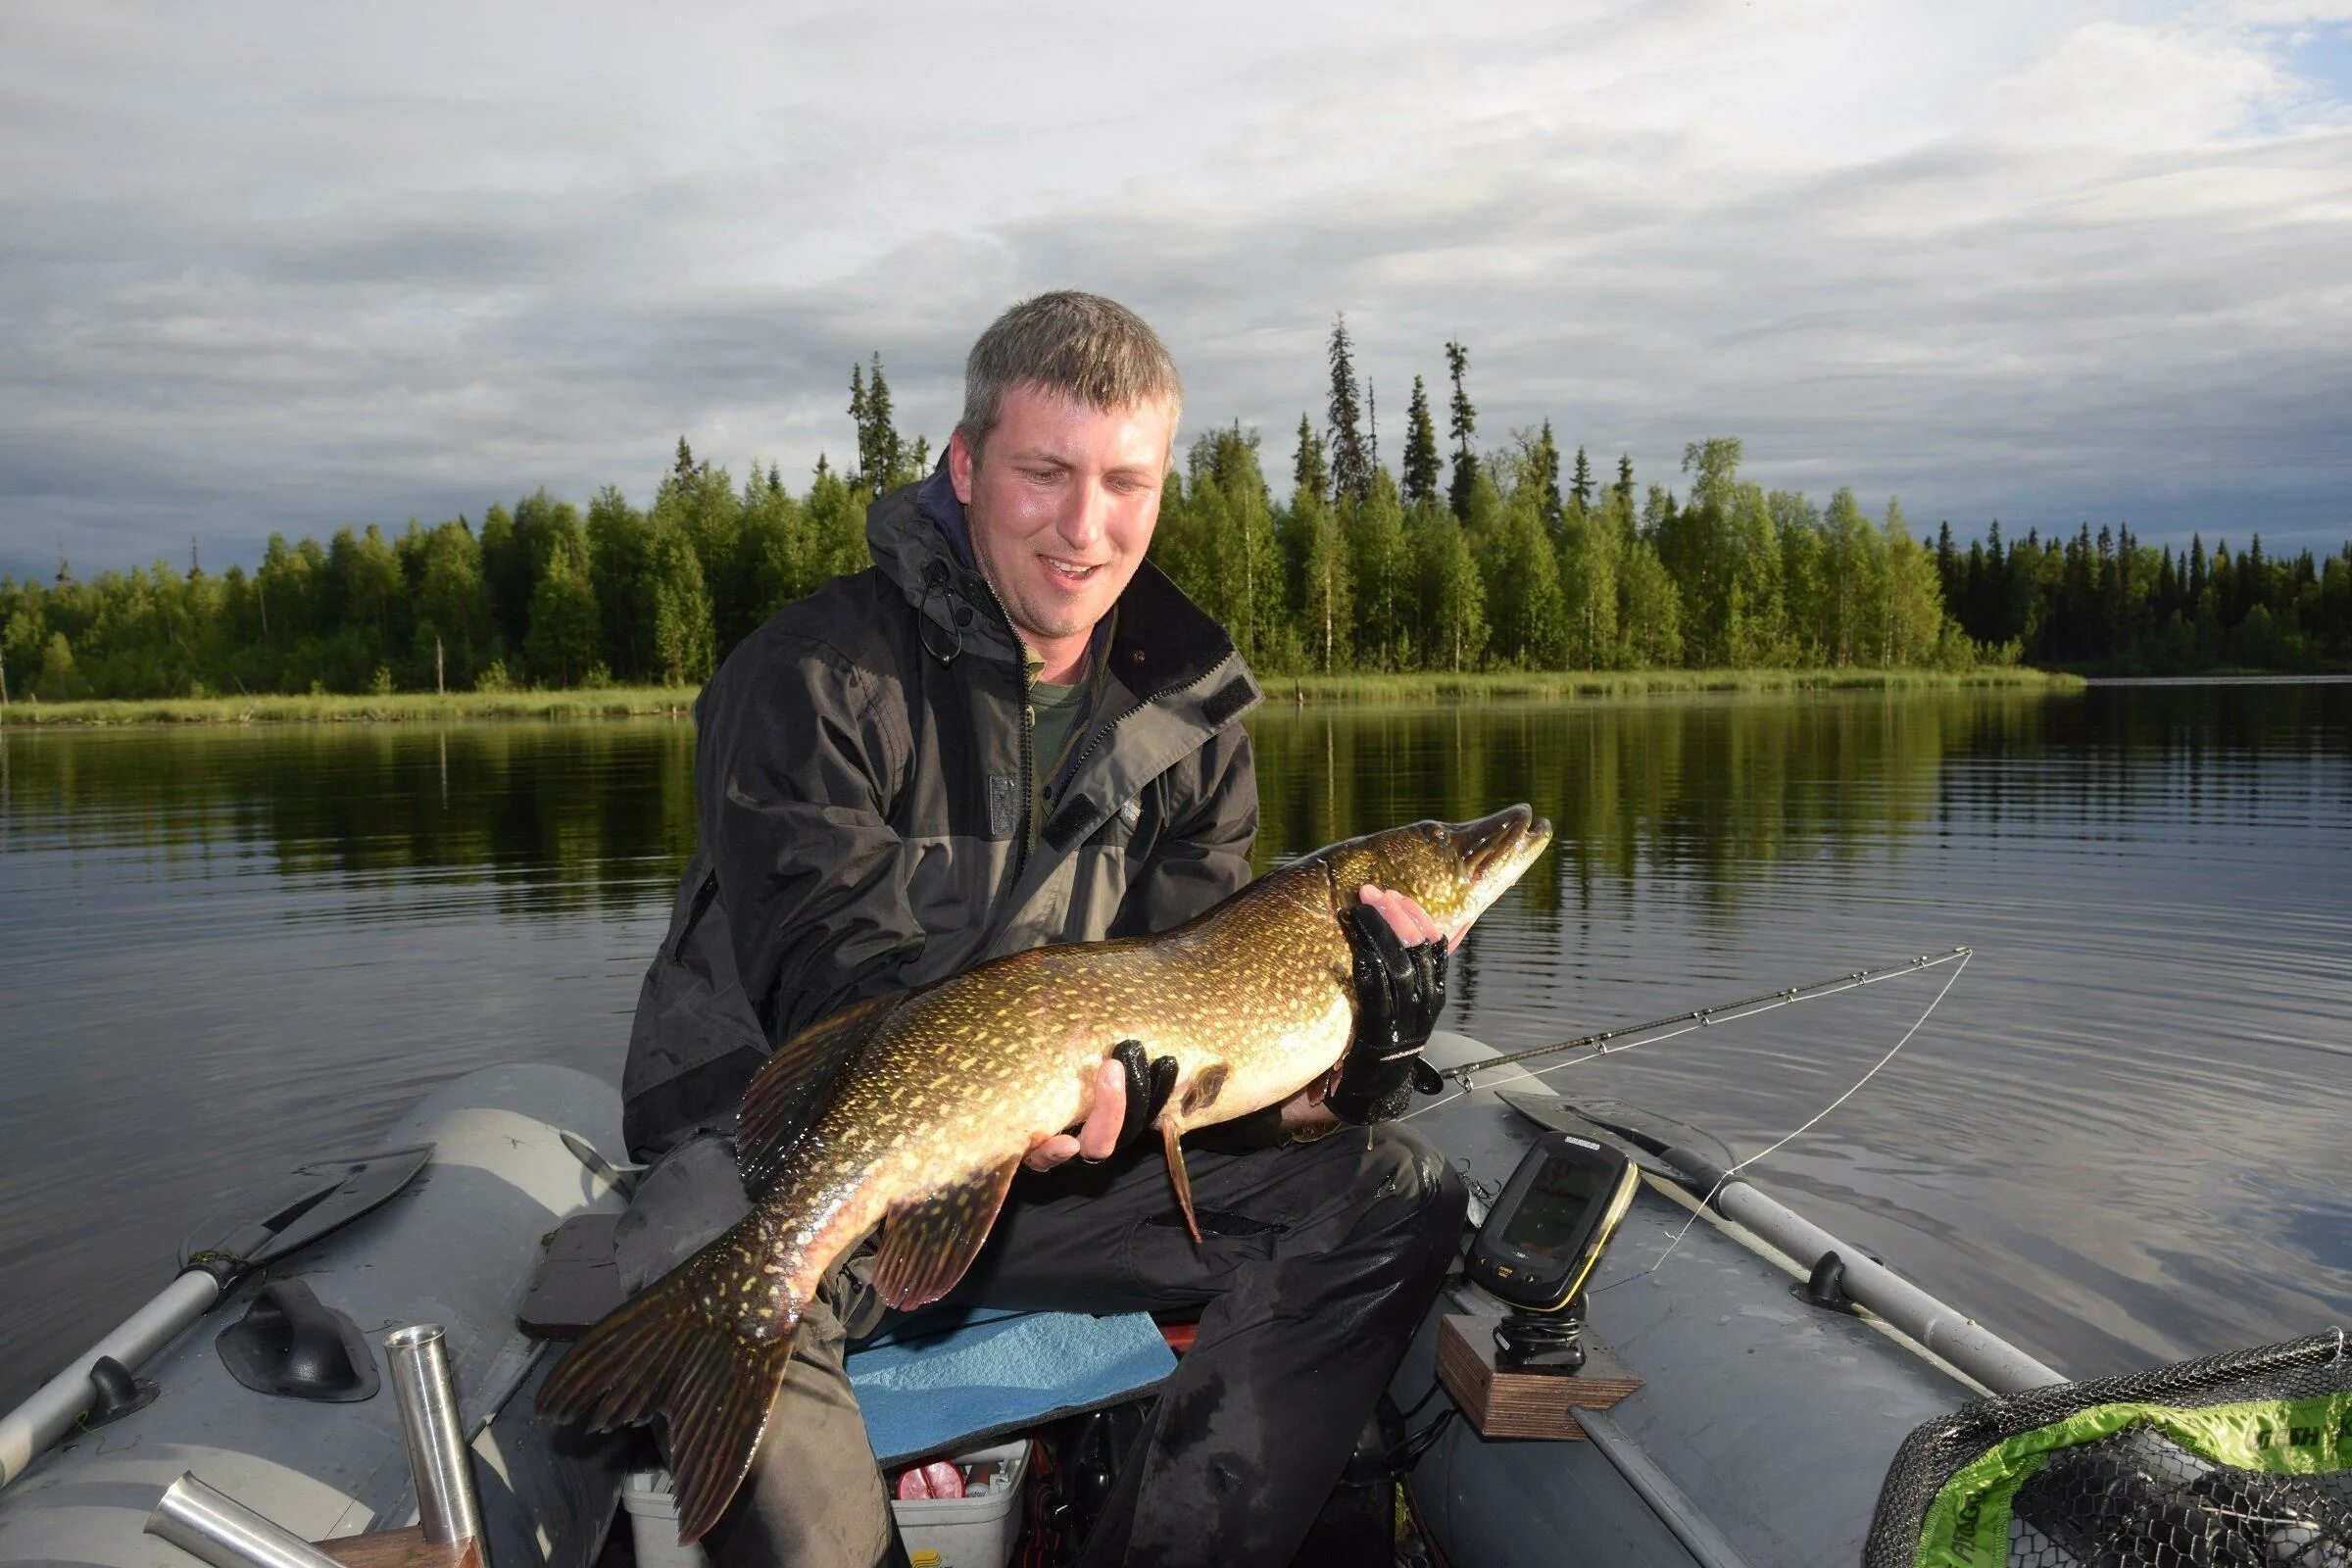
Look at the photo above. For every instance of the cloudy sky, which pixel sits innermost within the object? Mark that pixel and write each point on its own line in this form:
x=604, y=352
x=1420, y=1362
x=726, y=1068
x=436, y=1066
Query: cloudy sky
x=293, y=266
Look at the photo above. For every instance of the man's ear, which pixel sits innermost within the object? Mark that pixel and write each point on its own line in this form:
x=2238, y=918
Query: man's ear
x=962, y=463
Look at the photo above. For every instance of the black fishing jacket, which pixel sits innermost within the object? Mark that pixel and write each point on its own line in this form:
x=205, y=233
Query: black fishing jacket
x=862, y=776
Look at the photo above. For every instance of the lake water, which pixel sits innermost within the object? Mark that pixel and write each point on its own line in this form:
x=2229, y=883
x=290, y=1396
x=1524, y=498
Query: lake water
x=2121, y=1139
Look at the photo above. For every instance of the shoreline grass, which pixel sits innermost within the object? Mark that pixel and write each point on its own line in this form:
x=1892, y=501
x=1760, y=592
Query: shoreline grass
x=1604, y=685
x=611, y=702
x=677, y=702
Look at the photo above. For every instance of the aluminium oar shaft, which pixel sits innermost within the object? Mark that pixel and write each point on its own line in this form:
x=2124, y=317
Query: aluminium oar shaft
x=51, y=1410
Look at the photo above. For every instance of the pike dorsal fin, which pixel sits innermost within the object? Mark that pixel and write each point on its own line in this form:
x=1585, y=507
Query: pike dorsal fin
x=931, y=1241
x=793, y=1087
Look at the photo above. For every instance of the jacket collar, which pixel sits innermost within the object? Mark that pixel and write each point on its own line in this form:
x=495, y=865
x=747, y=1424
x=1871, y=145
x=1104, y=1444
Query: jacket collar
x=922, y=542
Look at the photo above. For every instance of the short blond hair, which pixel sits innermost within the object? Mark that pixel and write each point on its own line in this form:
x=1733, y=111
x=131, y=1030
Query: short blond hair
x=1083, y=345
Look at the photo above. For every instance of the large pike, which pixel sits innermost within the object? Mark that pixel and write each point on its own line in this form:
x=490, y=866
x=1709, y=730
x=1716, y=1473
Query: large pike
x=942, y=1091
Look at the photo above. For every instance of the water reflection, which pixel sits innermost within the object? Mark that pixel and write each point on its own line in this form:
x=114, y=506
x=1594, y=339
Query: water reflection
x=534, y=819
x=2120, y=1140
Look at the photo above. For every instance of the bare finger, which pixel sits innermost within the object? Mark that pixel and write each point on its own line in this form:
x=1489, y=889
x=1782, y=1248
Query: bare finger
x=1426, y=927
x=1108, y=1115
x=1048, y=1152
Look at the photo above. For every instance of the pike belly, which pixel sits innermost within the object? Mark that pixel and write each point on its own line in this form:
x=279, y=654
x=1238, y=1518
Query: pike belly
x=1254, y=1003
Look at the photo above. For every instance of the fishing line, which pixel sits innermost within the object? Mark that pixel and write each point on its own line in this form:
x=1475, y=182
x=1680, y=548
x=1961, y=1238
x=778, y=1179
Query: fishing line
x=1721, y=1181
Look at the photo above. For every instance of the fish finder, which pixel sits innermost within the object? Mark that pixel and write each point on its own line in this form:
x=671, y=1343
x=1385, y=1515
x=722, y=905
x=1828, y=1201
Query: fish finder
x=1557, y=1211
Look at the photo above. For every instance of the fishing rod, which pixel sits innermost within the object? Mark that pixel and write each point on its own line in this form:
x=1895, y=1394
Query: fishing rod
x=1993, y=1362
x=1603, y=1044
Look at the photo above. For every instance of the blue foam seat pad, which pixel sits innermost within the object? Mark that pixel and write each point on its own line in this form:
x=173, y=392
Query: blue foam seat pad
x=991, y=1372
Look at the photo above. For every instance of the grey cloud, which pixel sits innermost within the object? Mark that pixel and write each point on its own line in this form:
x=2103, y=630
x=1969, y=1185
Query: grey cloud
x=387, y=304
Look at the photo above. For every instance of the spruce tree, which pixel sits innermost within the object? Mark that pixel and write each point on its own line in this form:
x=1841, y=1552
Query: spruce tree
x=858, y=420
x=1463, y=426
x=1421, y=460
x=1351, y=468
x=1580, y=490
x=1625, y=478
x=1310, y=473
x=1545, y=473
x=879, y=451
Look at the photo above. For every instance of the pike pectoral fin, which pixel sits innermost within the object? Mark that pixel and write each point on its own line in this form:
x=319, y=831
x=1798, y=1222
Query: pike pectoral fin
x=794, y=1084
x=930, y=1242
x=1170, y=1135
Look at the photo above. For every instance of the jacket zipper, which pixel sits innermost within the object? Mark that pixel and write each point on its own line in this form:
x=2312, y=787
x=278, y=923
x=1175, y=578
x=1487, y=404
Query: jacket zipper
x=1020, y=854
x=1020, y=835
x=1107, y=730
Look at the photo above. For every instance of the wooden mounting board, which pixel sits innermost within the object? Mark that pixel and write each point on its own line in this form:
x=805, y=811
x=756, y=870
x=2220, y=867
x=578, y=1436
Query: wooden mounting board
x=399, y=1548
x=1523, y=1405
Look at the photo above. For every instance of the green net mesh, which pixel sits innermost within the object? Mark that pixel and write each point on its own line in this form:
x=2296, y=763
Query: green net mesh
x=2231, y=1461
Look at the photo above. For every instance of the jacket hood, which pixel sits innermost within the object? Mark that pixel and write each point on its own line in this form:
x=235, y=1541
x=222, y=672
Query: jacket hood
x=920, y=539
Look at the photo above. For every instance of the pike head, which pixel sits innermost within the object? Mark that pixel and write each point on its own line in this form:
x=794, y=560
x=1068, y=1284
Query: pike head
x=1454, y=870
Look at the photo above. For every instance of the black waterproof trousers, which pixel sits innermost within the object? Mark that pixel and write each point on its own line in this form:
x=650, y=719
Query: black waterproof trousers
x=1317, y=1264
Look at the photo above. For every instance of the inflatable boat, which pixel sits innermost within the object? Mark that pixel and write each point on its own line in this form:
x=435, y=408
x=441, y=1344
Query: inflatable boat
x=1740, y=1402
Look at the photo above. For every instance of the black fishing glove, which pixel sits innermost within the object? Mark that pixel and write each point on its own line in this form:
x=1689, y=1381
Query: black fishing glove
x=1400, y=990
x=1148, y=1085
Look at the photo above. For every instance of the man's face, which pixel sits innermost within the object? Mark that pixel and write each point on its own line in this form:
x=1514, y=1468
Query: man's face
x=1061, y=503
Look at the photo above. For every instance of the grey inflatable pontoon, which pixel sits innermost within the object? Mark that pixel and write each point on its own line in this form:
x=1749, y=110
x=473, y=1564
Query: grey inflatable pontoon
x=455, y=1244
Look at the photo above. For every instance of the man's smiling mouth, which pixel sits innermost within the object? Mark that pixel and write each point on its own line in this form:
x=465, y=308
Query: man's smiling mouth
x=1070, y=569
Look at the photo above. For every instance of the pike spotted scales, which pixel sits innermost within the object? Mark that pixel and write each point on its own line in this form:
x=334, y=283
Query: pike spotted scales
x=941, y=1091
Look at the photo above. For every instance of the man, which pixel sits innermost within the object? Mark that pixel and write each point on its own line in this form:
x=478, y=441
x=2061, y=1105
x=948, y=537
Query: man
x=1014, y=730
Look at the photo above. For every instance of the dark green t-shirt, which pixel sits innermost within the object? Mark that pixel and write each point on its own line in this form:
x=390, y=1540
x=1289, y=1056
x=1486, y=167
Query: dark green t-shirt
x=1053, y=715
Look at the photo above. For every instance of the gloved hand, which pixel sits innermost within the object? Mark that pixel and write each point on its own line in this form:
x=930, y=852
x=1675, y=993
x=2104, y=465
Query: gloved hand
x=1129, y=1091
x=1148, y=1085
x=1400, y=990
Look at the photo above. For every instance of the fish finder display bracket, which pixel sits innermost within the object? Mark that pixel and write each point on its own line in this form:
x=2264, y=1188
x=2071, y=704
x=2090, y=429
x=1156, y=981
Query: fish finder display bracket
x=1546, y=1232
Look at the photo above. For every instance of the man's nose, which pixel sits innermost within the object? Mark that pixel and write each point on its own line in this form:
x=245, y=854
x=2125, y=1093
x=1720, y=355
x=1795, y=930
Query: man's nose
x=1086, y=517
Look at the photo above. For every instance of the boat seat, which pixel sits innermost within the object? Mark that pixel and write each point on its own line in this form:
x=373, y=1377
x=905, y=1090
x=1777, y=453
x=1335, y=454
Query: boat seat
x=929, y=1381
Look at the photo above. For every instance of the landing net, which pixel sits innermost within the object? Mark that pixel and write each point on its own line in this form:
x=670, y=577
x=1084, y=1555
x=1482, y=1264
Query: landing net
x=2233, y=1461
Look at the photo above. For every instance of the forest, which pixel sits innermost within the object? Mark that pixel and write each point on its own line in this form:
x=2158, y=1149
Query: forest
x=1463, y=558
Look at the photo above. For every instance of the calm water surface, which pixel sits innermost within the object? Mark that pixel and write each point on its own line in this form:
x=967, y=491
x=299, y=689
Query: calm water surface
x=2122, y=1139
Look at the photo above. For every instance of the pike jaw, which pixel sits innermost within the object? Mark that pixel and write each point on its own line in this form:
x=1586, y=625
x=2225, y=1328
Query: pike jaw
x=1454, y=870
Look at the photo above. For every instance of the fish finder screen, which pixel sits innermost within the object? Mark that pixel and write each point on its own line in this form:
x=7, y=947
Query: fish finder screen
x=1555, y=1205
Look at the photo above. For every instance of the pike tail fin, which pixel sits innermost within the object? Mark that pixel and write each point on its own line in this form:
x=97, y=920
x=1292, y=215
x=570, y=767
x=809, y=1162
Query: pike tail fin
x=663, y=1354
